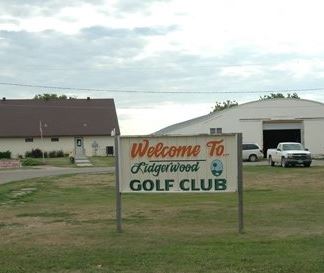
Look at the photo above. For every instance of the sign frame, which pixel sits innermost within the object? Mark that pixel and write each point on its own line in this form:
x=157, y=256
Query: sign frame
x=239, y=173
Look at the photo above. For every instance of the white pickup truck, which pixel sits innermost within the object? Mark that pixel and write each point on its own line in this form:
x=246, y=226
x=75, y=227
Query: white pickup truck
x=289, y=154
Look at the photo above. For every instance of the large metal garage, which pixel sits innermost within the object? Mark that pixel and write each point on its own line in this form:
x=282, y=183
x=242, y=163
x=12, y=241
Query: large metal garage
x=266, y=122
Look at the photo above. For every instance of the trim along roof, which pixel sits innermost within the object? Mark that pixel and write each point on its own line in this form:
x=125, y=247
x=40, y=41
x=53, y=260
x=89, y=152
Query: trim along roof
x=70, y=117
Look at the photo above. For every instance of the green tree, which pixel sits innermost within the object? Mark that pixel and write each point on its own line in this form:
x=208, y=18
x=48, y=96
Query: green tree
x=219, y=106
x=280, y=96
x=47, y=96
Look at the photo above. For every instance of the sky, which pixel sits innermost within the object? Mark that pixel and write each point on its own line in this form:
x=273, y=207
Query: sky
x=162, y=61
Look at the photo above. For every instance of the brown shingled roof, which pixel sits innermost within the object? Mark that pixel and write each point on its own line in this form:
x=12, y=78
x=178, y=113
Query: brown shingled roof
x=71, y=117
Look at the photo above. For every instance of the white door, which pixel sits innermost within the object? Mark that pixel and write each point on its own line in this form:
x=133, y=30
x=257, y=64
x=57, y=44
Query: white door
x=79, y=147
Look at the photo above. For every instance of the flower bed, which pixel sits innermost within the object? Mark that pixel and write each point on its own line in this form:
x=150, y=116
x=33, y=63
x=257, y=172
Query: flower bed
x=9, y=163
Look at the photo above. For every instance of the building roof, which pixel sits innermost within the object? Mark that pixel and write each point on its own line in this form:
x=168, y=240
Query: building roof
x=267, y=107
x=70, y=117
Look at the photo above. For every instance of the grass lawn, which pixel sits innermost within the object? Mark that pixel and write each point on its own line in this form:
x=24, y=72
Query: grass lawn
x=57, y=162
x=102, y=161
x=67, y=224
x=97, y=161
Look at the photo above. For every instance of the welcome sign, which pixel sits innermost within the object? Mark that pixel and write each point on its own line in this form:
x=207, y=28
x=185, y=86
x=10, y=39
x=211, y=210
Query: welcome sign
x=201, y=163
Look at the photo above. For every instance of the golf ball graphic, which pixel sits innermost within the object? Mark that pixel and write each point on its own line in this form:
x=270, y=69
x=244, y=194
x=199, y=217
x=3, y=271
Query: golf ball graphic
x=216, y=167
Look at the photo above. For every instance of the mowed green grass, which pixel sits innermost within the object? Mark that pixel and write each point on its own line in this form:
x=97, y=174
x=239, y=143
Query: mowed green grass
x=67, y=224
x=97, y=161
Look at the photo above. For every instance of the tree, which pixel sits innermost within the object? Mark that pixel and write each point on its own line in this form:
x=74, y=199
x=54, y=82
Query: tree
x=47, y=96
x=280, y=96
x=219, y=106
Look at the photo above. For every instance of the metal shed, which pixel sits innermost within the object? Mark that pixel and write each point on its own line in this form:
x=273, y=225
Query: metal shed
x=266, y=122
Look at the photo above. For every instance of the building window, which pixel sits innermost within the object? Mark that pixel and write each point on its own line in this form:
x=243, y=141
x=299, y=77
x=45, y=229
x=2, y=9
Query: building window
x=110, y=150
x=55, y=139
x=214, y=131
x=29, y=139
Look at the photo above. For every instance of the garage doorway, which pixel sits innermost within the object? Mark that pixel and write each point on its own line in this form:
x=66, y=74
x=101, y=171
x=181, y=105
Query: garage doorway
x=273, y=133
x=271, y=138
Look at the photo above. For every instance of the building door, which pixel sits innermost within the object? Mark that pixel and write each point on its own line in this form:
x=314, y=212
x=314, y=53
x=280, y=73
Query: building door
x=79, y=147
x=271, y=138
x=273, y=133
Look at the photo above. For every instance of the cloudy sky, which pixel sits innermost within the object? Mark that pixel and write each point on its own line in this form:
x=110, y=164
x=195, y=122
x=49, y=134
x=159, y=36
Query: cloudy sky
x=163, y=61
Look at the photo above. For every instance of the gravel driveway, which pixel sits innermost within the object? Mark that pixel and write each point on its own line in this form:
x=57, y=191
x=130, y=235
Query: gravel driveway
x=21, y=174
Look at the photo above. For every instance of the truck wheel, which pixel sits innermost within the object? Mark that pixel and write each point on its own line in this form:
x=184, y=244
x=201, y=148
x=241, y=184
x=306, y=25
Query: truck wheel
x=307, y=165
x=284, y=162
x=253, y=158
x=271, y=163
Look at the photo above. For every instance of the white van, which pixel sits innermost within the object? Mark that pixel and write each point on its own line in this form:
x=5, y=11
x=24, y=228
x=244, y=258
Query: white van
x=251, y=152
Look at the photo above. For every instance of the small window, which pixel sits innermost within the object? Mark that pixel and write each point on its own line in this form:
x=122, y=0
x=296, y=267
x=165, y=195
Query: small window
x=250, y=147
x=55, y=139
x=29, y=139
x=254, y=147
x=110, y=150
x=214, y=131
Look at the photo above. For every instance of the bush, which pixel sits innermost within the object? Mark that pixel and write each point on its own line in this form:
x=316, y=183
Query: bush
x=72, y=159
x=6, y=155
x=60, y=153
x=30, y=162
x=53, y=154
x=36, y=153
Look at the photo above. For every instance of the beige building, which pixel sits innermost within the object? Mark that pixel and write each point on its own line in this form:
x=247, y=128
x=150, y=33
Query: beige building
x=265, y=122
x=82, y=127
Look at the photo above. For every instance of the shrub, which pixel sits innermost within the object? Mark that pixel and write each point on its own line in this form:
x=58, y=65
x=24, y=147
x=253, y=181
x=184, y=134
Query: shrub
x=60, y=153
x=6, y=155
x=35, y=153
x=72, y=159
x=30, y=162
x=53, y=154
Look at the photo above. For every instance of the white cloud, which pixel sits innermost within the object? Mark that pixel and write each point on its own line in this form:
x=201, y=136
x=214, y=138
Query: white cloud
x=156, y=45
x=242, y=71
x=138, y=121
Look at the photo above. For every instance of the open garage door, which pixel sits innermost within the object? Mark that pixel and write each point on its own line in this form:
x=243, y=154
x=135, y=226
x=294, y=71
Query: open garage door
x=273, y=133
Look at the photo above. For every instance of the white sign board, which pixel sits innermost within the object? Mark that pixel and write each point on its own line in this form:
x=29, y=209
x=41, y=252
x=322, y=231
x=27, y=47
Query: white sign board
x=201, y=163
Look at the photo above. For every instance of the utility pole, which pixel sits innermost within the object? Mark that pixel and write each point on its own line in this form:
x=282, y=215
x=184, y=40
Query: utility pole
x=41, y=135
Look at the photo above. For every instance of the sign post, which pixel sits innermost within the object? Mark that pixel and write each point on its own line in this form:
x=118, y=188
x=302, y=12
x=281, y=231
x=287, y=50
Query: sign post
x=240, y=183
x=118, y=193
x=179, y=164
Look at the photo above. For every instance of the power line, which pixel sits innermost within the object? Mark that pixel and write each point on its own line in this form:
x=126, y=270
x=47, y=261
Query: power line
x=160, y=91
x=137, y=68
